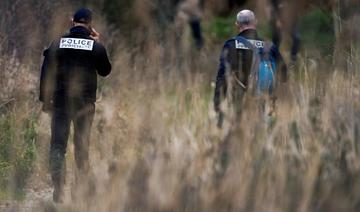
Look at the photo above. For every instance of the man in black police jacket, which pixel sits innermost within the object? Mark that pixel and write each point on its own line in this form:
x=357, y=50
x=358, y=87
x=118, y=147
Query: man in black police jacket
x=236, y=61
x=68, y=86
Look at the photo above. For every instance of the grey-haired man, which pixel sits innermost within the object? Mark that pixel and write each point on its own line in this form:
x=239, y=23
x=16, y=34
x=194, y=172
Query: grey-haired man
x=236, y=61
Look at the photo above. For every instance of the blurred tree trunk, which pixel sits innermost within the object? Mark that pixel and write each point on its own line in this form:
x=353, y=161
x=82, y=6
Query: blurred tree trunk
x=346, y=20
x=165, y=12
x=224, y=7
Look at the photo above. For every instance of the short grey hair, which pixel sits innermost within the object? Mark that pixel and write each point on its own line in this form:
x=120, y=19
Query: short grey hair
x=246, y=17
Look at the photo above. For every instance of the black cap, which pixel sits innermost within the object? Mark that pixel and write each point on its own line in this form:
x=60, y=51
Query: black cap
x=83, y=15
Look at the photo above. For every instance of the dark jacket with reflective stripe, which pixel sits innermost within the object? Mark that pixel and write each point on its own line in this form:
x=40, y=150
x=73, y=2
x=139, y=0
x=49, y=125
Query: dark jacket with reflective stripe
x=71, y=71
x=238, y=61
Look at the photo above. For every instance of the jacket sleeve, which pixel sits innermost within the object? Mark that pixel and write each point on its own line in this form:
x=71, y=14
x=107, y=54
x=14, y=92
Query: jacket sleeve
x=102, y=63
x=282, y=68
x=47, y=76
x=221, y=87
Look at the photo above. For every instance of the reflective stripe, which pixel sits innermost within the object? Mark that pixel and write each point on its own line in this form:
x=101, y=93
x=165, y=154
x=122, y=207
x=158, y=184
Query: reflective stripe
x=257, y=43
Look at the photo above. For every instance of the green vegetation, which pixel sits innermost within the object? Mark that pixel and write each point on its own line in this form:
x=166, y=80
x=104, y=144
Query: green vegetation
x=317, y=31
x=17, y=153
x=222, y=28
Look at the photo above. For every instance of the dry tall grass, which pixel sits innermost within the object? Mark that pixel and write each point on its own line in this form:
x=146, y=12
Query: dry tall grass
x=155, y=145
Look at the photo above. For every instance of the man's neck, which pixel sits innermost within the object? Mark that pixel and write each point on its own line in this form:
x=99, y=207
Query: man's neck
x=246, y=28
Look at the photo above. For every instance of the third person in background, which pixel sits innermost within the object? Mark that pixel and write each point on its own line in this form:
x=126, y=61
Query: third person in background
x=190, y=11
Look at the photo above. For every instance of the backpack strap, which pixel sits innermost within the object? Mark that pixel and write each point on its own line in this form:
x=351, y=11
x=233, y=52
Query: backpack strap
x=266, y=50
x=255, y=60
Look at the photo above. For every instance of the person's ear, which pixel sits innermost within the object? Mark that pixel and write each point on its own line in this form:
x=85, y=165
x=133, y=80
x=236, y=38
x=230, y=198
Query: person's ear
x=238, y=26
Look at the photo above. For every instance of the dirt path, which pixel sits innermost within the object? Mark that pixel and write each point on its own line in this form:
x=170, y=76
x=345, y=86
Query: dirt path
x=34, y=198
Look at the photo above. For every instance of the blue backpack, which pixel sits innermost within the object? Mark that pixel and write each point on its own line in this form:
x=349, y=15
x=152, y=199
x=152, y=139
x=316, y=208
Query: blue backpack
x=263, y=68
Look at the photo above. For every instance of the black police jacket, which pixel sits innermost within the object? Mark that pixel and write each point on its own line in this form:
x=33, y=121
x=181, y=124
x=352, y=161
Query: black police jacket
x=70, y=68
x=239, y=62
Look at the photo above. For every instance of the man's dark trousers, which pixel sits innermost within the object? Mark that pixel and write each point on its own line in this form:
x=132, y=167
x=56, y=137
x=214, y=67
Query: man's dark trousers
x=81, y=113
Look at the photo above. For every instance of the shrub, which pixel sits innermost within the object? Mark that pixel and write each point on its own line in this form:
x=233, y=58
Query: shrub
x=17, y=153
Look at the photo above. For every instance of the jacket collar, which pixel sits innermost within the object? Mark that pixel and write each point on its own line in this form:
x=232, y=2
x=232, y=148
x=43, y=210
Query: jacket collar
x=251, y=33
x=80, y=30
